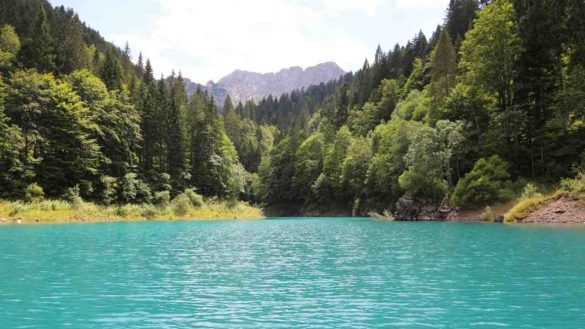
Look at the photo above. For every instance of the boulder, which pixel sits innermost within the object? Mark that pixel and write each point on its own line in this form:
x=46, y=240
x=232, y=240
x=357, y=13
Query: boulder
x=412, y=209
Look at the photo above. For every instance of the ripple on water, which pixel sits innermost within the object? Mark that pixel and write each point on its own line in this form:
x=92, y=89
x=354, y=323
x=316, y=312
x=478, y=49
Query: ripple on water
x=295, y=273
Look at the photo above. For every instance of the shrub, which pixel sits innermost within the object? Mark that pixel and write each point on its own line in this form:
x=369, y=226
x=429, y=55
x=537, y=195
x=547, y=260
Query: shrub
x=488, y=215
x=16, y=209
x=143, y=193
x=122, y=211
x=72, y=196
x=127, y=188
x=195, y=198
x=161, y=199
x=181, y=204
x=34, y=193
x=107, y=190
x=148, y=212
x=575, y=186
x=530, y=191
x=487, y=183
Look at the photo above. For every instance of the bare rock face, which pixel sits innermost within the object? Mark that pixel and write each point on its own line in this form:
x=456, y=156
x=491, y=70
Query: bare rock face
x=410, y=209
x=242, y=86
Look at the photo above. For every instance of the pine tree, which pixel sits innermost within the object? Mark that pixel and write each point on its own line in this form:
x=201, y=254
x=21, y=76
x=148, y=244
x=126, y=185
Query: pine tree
x=72, y=52
x=539, y=70
x=460, y=16
x=38, y=49
x=111, y=72
x=443, y=72
x=176, y=132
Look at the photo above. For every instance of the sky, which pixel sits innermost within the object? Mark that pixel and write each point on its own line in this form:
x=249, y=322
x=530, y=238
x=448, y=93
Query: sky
x=206, y=40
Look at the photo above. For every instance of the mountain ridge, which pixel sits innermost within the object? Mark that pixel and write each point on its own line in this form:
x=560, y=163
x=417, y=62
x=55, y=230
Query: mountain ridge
x=242, y=85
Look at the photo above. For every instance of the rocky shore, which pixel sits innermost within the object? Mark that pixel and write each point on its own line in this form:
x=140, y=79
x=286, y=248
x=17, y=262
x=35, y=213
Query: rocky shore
x=563, y=209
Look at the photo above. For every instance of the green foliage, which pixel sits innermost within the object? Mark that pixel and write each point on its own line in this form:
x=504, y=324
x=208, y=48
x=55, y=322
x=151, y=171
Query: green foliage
x=161, y=199
x=181, y=204
x=374, y=113
x=489, y=51
x=195, y=198
x=106, y=193
x=355, y=166
x=428, y=160
x=530, y=191
x=72, y=196
x=443, y=72
x=415, y=106
x=329, y=184
x=54, y=125
x=310, y=157
x=488, y=214
x=419, y=77
x=277, y=171
x=9, y=46
x=127, y=188
x=575, y=186
x=487, y=183
x=409, y=122
x=34, y=193
x=460, y=15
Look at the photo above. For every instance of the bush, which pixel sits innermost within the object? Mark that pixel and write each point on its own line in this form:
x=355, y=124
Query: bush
x=15, y=210
x=530, y=191
x=575, y=186
x=127, y=188
x=161, y=199
x=149, y=212
x=107, y=190
x=122, y=211
x=143, y=193
x=487, y=183
x=181, y=204
x=488, y=215
x=34, y=193
x=72, y=196
x=195, y=198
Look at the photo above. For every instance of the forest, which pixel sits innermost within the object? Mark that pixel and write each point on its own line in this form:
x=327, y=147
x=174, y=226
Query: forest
x=491, y=105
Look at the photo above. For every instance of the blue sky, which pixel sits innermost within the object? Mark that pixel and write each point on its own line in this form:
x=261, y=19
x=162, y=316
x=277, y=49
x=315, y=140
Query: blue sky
x=206, y=40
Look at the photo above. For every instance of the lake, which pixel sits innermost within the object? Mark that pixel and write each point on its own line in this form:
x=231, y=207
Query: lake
x=291, y=273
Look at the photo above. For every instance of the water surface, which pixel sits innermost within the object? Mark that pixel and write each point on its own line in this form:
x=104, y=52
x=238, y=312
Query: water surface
x=291, y=273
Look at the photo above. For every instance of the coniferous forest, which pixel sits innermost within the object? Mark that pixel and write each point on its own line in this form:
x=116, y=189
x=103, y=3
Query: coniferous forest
x=489, y=106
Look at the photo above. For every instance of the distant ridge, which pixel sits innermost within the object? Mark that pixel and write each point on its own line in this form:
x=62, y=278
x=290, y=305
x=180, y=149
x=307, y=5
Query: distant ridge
x=244, y=85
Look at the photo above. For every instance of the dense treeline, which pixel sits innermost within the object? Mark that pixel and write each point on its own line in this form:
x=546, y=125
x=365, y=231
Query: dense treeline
x=77, y=116
x=494, y=99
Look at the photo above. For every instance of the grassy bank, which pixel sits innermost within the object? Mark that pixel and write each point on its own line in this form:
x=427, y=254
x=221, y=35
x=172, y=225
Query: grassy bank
x=58, y=211
x=569, y=196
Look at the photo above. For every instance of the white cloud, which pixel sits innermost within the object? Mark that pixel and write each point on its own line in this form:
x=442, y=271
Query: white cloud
x=338, y=6
x=207, y=40
x=419, y=4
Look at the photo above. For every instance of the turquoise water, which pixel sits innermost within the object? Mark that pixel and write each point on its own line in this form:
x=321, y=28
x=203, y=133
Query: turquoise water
x=291, y=273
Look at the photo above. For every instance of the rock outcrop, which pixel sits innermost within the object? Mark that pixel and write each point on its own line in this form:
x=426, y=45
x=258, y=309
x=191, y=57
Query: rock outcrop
x=411, y=209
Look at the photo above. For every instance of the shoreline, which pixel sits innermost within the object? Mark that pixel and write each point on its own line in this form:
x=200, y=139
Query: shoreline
x=60, y=212
x=559, y=210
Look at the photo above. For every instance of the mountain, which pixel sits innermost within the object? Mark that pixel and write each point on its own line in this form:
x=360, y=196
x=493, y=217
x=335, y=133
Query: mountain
x=245, y=85
x=218, y=92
